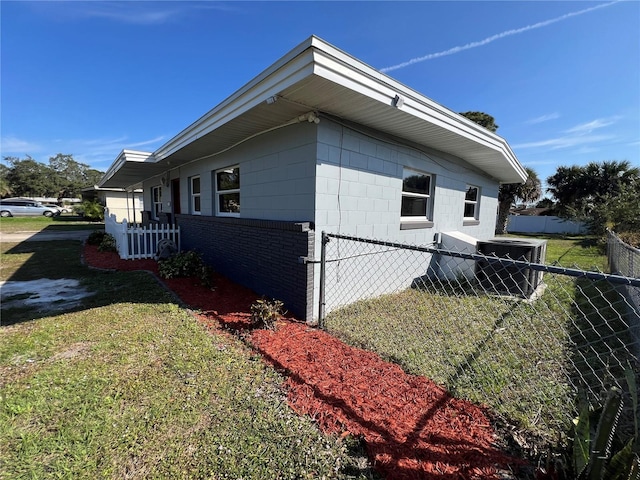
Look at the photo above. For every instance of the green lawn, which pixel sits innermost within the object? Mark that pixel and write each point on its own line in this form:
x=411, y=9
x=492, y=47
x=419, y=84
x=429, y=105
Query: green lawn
x=525, y=359
x=574, y=251
x=36, y=224
x=130, y=385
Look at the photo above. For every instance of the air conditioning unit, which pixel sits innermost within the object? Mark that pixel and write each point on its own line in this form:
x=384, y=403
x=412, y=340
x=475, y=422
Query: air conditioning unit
x=511, y=279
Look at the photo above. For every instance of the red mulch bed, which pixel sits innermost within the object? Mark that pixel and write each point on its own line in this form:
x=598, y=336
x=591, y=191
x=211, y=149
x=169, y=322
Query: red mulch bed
x=413, y=428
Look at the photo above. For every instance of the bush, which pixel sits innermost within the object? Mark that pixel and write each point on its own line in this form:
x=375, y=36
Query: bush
x=630, y=238
x=108, y=244
x=265, y=313
x=96, y=237
x=185, y=264
x=90, y=210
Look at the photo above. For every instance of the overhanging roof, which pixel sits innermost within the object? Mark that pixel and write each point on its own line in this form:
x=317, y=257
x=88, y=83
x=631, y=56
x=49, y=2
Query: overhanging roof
x=317, y=77
x=129, y=169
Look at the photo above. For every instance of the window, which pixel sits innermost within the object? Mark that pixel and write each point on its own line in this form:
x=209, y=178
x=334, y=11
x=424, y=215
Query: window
x=416, y=196
x=471, y=203
x=195, y=195
x=156, y=200
x=228, y=192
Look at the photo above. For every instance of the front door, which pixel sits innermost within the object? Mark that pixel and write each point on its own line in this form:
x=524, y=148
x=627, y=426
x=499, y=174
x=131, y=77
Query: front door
x=175, y=195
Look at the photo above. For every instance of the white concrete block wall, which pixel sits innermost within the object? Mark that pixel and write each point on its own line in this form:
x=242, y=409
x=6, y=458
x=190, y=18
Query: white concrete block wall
x=277, y=173
x=344, y=181
x=360, y=177
x=359, y=193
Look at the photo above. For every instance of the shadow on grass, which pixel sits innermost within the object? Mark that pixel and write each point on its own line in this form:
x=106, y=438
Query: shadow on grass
x=604, y=343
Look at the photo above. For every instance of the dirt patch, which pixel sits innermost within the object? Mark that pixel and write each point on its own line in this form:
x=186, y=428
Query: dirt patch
x=80, y=349
x=412, y=428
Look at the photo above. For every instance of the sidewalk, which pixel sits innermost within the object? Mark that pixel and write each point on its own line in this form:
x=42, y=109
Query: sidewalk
x=44, y=236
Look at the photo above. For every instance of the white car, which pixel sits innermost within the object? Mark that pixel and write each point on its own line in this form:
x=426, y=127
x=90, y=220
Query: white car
x=60, y=209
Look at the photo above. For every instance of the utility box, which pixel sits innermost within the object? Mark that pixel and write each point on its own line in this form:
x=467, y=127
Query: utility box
x=512, y=279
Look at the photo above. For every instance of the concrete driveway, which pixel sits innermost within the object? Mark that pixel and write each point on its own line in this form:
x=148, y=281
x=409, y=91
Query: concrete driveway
x=44, y=236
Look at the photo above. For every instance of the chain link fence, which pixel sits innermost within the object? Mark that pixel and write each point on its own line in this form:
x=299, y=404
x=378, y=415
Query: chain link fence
x=525, y=339
x=623, y=258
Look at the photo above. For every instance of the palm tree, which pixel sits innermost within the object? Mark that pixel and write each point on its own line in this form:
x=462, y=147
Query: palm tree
x=529, y=191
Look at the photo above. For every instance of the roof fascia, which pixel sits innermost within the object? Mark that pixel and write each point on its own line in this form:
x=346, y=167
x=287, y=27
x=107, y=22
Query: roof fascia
x=344, y=69
x=314, y=56
x=123, y=157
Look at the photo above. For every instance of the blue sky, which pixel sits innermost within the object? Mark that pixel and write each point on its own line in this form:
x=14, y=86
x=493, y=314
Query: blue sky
x=561, y=78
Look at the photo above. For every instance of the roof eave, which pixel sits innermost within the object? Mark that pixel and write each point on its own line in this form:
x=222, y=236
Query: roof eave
x=316, y=58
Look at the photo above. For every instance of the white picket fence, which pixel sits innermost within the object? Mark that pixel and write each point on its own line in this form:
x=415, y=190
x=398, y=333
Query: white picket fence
x=136, y=241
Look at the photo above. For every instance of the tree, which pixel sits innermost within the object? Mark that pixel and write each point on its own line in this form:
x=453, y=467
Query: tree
x=602, y=194
x=619, y=212
x=63, y=177
x=5, y=189
x=72, y=176
x=529, y=191
x=29, y=178
x=546, y=203
x=483, y=119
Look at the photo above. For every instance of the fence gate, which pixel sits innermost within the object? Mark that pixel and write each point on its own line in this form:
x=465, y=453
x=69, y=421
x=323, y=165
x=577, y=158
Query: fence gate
x=526, y=339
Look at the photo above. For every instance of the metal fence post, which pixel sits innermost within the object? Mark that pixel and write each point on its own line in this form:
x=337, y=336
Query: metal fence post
x=323, y=258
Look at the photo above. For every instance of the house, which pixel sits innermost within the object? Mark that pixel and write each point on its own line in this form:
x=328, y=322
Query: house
x=123, y=204
x=319, y=141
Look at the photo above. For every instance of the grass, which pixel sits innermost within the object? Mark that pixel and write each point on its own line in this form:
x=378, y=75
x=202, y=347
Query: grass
x=130, y=385
x=35, y=224
x=526, y=360
x=574, y=251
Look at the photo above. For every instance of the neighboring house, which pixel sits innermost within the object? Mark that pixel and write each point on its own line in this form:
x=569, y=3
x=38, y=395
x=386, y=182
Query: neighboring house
x=122, y=204
x=317, y=142
x=531, y=211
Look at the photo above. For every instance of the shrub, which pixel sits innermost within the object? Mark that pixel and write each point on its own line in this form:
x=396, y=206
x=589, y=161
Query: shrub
x=108, y=244
x=265, y=313
x=95, y=237
x=90, y=210
x=185, y=264
x=630, y=238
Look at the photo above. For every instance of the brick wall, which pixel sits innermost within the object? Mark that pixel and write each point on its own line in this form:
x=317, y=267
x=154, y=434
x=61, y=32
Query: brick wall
x=260, y=254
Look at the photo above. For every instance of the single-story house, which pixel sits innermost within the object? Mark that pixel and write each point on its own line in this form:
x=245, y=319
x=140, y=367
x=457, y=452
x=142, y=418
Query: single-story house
x=121, y=204
x=319, y=141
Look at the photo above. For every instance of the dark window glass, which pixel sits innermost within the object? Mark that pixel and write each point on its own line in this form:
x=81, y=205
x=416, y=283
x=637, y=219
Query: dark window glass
x=469, y=210
x=414, y=183
x=229, y=202
x=414, y=207
x=472, y=194
x=228, y=179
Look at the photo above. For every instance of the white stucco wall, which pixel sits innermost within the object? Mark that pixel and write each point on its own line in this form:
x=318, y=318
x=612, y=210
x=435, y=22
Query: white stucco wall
x=124, y=206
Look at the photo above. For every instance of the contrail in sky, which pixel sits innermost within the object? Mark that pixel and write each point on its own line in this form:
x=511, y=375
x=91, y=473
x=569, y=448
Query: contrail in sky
x=495, y=37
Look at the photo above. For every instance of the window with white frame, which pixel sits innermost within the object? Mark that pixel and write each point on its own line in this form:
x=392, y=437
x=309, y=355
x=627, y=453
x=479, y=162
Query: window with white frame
x=156, y=201
x=471, y=198
x=227, y=181
x=416, y=195
x=194, y=187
